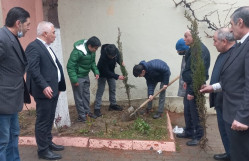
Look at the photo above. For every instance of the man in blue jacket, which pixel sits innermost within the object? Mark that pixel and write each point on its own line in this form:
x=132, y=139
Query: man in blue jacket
x=154, y=71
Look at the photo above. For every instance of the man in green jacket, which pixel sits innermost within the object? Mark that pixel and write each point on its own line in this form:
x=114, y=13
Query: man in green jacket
x=81, y=61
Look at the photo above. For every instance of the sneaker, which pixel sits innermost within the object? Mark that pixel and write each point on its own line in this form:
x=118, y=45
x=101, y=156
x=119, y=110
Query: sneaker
x=81, y=119
x=91, y=115
x=157, y=115
x=97, y=112
x=115, y=108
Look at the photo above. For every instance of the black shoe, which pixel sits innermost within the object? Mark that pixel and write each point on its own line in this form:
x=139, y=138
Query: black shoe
x=115, y=108
x=193, y=142
x=55, y=147
x=81, y=119
x=157, y=115
x=183, y=135
x=97, y=113
x=49, y=155
x=91, y=115
x=224, y=157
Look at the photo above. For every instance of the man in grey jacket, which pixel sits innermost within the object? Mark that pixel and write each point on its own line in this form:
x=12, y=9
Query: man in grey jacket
x=13, y=89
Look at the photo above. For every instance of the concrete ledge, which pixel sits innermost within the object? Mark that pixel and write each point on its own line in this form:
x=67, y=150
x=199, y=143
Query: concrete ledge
x=87, y=142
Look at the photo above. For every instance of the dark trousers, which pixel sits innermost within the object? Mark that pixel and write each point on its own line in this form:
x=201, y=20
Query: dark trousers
x=192, y=120
x=45, y=113
x=239, y=143
x=222, y=129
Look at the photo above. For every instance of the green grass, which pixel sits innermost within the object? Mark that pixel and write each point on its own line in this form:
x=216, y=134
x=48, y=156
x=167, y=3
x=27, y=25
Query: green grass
x=142, y=128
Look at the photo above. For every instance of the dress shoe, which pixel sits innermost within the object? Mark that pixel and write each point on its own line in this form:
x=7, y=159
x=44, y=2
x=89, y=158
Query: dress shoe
x=92, y=115
x=55, y=147
x=224, y=157
x=115, y=108
x=183, y=135
x=49, y=155
x=193, y=142
x=157, y=115
x=97, y=112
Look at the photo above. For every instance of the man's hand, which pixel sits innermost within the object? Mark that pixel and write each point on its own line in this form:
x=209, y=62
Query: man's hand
x=238, y=126
x=206, y=89
x=76, y=84
x=97, y=76
x=190, y=97
x=121, y=77
x=151, y=97
x=48, y=92
x=165, y=87
x=185, y=85
x=123, y=64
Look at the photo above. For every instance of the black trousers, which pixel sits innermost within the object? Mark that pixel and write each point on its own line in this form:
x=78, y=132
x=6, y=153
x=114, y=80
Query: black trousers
x=45, y=113
x=192, y=120
x=239, y=143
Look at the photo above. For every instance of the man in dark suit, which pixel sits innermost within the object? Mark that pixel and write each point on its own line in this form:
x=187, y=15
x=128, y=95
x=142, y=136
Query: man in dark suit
x=224, y=43
x=13, y=90
x=234, y=83
x=45, y=80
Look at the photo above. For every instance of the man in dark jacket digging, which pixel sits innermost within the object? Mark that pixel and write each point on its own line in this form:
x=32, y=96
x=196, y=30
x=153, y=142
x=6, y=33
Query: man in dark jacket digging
x=106, y=65
x=154, y=71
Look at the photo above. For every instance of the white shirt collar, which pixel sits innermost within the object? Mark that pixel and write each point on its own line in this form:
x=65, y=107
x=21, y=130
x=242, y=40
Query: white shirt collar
x=43, y=42
x=244, y=37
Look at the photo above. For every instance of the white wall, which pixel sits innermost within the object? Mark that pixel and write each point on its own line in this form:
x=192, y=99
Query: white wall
x=150, y=29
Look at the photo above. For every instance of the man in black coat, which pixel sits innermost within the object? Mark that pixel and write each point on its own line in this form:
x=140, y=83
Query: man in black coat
x=234, y=83
x=154, y=71
x=224, y=43
x=107, y=62
x=193, y=128
x=45, y=80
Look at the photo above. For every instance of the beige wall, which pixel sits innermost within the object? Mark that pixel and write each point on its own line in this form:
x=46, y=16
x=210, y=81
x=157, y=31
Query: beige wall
x=149, y=28
x=34, y=7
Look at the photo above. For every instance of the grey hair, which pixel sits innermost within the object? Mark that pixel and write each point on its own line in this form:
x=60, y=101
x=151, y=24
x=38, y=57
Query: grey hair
x=224, y=33
x=243, y=13
x=43, y=26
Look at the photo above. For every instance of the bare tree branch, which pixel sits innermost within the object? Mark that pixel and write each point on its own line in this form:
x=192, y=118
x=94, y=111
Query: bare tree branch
x=206, y=18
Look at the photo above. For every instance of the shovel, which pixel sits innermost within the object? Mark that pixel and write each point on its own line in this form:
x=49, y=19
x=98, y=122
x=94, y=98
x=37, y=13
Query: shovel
x=148, y=100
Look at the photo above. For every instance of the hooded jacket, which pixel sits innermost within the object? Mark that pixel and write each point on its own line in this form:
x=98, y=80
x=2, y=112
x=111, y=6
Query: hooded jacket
x=107, y=65
x=156, y=71
x=81, y=61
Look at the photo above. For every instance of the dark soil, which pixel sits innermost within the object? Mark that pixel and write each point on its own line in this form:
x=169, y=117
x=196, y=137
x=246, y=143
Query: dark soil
x=110, y=125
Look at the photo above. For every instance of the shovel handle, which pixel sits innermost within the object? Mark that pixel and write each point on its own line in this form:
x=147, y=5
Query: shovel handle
x=148, y=100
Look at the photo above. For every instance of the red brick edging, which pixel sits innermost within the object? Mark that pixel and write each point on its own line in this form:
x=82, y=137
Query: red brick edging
x=87, y=142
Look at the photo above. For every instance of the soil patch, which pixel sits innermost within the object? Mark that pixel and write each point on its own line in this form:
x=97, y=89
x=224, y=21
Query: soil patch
x=110, y=125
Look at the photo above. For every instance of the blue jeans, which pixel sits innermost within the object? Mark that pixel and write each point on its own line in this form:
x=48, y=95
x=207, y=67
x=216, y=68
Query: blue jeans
x=9, y=132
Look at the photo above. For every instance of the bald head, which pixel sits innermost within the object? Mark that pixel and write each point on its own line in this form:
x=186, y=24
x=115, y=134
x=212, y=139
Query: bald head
x=188, y=38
